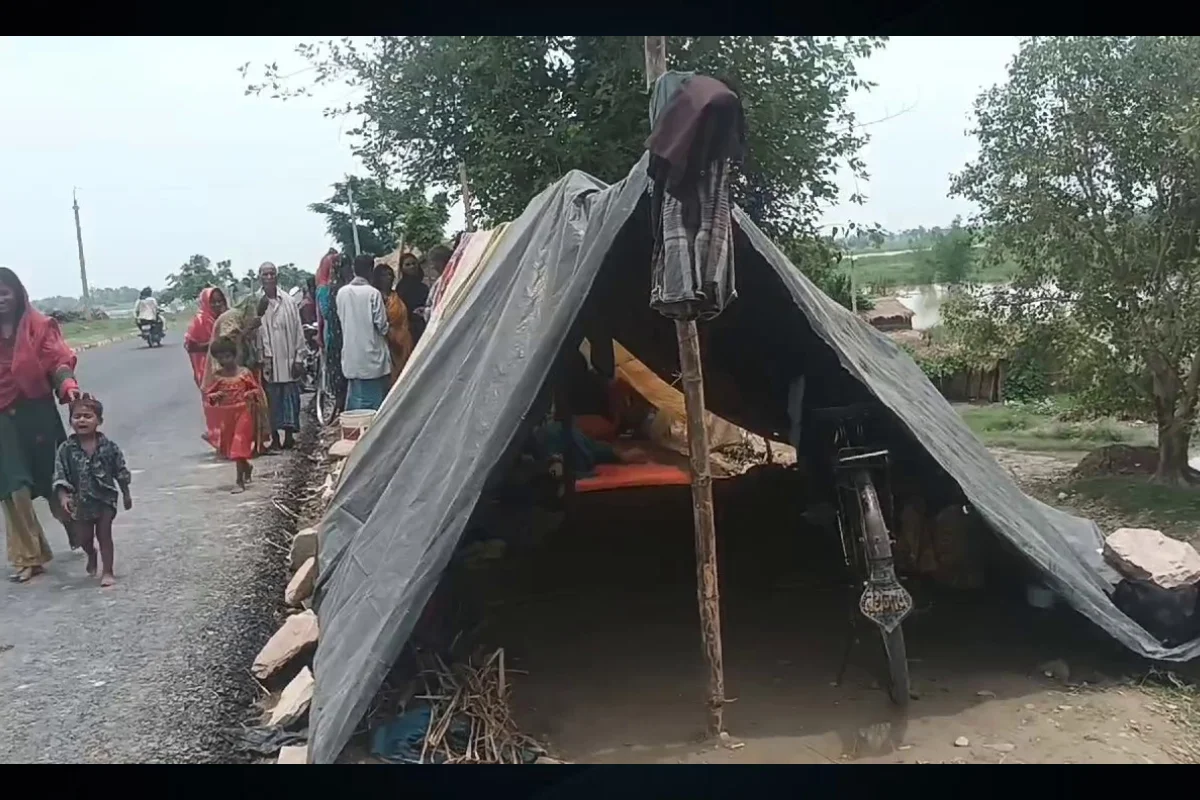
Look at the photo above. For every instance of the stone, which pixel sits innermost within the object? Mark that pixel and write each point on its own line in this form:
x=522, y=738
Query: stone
x=341, y=448
x=300, y=587
x=294, y=700
x=548, y=760
x=1002, y=747
x=1056, y=669
x=293, y=754
x=1145, y=554
x=298, y=633
x=962, y=741
x=304, y=547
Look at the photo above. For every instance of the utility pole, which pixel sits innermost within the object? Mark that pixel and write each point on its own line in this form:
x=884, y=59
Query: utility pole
x=468, y=219
x=353, y=215
x=853, y=288
x=692, y=377
x=87, y=295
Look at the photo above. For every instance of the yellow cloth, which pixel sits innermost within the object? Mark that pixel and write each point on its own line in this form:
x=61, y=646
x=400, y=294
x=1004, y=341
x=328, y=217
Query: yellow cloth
x=399, y=337
x=27, y=545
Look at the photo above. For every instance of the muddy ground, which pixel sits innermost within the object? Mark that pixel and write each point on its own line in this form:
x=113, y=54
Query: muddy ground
x=602, y=621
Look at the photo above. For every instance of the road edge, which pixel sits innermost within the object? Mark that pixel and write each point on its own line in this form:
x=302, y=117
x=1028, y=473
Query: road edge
x=259, y=611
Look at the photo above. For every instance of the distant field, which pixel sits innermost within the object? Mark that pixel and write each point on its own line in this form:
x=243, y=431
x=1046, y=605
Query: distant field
x=896, y=270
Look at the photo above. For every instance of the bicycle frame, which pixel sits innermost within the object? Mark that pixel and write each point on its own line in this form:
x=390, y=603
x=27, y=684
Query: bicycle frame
x=863, y=487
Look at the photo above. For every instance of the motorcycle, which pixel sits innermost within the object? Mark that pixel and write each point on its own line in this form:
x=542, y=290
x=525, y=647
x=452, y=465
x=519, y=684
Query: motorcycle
x=152, y=332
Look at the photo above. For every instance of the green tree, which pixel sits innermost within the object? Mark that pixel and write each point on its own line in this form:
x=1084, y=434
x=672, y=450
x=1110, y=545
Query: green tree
x=951, y=256
x=385, y=216
x=192, y=277
x=520, y=111
x=290, y=276
x=824, y=264
x=1088, y=177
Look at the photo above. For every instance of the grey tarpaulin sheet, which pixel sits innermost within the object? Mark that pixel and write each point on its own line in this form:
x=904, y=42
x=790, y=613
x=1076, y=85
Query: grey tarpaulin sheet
x=412, y=483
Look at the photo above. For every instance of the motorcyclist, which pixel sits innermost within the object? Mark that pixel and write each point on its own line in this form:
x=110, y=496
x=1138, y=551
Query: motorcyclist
x=147, y=312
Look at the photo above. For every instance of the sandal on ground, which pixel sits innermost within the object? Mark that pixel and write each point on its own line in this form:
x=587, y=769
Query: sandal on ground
x=25, y=575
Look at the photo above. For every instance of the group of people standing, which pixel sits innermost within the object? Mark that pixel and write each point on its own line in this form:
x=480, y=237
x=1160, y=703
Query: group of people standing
x=248, y=356
x=247, y=360
x=371, y=322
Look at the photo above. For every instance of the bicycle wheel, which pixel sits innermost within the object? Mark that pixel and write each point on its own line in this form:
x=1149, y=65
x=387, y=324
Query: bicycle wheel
x=885, y=601
x=899, y=682
x=325, y=400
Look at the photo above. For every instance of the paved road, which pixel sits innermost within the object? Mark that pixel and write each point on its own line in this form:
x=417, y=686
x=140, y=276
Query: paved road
x=147, y=670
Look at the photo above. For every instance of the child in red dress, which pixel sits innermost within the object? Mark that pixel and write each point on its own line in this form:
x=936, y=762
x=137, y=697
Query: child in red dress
x=232, y=403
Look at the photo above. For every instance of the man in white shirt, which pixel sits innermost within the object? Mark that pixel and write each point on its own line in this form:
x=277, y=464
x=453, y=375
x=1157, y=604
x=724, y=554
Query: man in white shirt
x=366, y=361
x=283, y=342
x=145, y=313
x=146, y=310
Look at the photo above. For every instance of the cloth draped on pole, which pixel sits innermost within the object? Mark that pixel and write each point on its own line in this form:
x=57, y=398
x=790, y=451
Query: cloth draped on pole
x=698, y=131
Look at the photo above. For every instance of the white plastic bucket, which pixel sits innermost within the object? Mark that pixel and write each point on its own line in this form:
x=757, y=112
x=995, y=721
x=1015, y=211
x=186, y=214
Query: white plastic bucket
x=354, y=424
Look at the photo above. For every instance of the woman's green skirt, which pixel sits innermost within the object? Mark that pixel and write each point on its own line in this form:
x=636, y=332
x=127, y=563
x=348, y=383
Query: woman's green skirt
x=30, y=433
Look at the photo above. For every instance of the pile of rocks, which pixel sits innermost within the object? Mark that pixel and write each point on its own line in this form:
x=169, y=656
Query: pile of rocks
x=1160, y=585
x=286, y=658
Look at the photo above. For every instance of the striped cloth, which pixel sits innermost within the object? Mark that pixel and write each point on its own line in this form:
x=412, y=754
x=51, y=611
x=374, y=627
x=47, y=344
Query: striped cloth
x=693, y=249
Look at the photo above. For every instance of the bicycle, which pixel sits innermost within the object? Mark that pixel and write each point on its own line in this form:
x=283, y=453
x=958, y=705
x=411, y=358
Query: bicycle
x=326, y=401
x=866, y=542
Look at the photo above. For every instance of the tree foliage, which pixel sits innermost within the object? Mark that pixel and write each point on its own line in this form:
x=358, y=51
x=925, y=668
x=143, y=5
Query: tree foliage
x=520, y=111
x=193, y=276
x=1088, y=179
x=290, y=276
x=386, y=216
x=951, y=256
x=820, y=262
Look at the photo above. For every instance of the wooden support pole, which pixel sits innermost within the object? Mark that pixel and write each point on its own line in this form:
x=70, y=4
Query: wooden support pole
x=692, y=377
x=707, y=588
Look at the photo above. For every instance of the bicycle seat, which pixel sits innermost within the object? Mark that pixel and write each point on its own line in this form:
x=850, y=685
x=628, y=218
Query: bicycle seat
x=842, y=413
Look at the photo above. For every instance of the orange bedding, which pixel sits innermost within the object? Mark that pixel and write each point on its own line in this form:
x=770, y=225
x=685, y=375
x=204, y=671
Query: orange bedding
x=629, y=476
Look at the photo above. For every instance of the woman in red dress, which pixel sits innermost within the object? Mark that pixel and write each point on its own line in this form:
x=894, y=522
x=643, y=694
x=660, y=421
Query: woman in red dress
x=233, y=400
x=200, y=333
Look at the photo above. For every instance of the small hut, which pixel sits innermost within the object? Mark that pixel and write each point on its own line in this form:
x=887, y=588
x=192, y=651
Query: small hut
x=960, y=382
x=889, y=314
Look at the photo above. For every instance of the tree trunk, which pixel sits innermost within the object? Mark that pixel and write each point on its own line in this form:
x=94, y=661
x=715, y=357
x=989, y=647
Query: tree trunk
x=1174, y=437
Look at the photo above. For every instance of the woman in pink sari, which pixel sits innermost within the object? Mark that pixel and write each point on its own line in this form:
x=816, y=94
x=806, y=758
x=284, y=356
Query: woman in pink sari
x=200, y=334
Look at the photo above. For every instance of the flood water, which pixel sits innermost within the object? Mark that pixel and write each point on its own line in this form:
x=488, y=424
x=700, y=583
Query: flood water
x=925, y=302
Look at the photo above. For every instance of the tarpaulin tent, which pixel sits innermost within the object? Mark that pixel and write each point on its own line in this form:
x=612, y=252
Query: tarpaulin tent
x=467, y=394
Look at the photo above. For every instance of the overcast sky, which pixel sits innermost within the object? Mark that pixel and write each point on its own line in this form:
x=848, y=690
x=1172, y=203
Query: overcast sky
x=171, y=158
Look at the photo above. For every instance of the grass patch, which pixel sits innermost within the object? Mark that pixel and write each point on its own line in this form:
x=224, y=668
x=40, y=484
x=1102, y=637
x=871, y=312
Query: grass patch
x=895, y=270
x=1137, y=495
x=80, y=334
x=1038, y=428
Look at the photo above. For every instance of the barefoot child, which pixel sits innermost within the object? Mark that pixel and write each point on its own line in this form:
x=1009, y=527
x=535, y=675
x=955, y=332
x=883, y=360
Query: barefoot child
x=233, y=401
x=89, y=472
